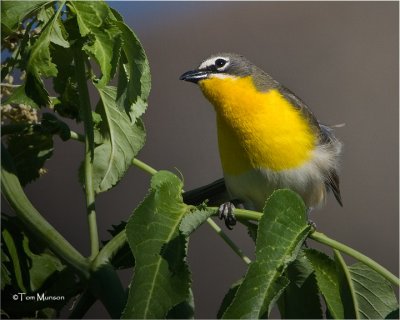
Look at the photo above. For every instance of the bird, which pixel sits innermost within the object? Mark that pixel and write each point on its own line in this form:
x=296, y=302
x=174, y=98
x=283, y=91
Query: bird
x=268, y=138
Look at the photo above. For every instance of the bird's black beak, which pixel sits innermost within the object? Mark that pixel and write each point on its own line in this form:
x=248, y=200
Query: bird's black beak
x=194, y=75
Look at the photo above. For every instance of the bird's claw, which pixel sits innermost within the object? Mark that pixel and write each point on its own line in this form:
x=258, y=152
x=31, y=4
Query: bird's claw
x=226, y=213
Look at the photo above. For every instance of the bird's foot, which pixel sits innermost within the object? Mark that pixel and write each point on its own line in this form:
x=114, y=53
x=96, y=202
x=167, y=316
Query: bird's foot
x=226, y=213
x=312, y=224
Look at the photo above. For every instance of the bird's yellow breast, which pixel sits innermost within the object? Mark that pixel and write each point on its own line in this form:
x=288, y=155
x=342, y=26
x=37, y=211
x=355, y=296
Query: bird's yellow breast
x=257, y=129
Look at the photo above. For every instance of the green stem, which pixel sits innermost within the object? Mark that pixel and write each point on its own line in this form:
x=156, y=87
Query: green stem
x=89, y=146
x=355, y=312
x=109, y=250
x=243, y=214
x=143, y=166
x=33, y=220
x=321, y=238
x=228, y=241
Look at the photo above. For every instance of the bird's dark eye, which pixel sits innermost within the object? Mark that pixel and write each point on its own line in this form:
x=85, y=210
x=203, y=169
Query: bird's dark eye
x=219, y=63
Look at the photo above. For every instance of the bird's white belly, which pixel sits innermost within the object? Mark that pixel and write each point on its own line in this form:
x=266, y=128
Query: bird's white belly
x=255, y=186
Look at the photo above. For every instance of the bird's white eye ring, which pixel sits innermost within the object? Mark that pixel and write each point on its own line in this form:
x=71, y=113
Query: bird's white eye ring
x=219, y=63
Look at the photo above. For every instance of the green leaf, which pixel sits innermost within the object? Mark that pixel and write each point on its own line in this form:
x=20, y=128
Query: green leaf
x=134, y=76
x=300, y=299
x=194, y=219
x=184, y=310
x=375, y=296
x=328, y=281
x=13, y=13
x=40, y=62
x=282, y=230
x=33, y=264
x=228, y=298
x=65, y=82
x=57, y=33
x=119, y=142
x=161, y=279
x=30, y=152
x=104, y=42
x=5, y=273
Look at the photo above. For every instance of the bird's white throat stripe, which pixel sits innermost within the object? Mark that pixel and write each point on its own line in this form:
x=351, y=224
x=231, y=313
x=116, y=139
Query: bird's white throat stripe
x=221, y=76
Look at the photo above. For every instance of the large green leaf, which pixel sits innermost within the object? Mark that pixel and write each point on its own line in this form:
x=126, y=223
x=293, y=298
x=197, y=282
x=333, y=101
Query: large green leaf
x=118, y=142
x=282, y=230
x=161, y=279
x=328, y=281
x=300, y=300
x=13, y=13
x=30, y=152
x=194, y=219
x=134, y=74
x=104, y=44
x=33, y=263
x=375, y=296
x=40, y=63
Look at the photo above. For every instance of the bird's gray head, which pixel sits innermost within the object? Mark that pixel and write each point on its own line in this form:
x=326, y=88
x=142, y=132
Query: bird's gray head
x=228, y=65
x=220, y=65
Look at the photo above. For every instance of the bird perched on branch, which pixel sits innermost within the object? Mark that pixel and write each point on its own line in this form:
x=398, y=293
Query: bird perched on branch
x=268, y=138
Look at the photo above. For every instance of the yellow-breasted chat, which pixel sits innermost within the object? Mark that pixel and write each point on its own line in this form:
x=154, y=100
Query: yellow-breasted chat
x=268, y=138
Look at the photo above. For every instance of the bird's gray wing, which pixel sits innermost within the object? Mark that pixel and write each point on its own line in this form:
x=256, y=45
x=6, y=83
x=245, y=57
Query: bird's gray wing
x=325, y=137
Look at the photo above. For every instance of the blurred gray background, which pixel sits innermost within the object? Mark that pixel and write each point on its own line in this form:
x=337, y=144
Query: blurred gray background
x=341, y=58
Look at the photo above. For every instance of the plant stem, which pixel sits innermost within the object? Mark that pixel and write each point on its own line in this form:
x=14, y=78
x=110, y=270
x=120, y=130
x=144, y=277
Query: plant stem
x=143, y=166
x=228, y=241
x=346, y=273
x=89, y=146
x=321, y=238
x=243, y=214
x=33, y=220
x=109, y=250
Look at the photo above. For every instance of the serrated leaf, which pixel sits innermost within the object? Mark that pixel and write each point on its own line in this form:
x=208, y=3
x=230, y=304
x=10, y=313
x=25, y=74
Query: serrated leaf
x=327, y=280
x=134, y=75
x=33, y=264
x=194, y=219
x=184, y=310
x=119, y=142
x=65, y=83
x=40, y=63
x=300, y=300
x=228, y=298
x=161, y=278
x=30, y=152
x=375, y=296
x=282, y=230
x=13, y=13
x=58, y=32
x=5, y=274
x=104, y=44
